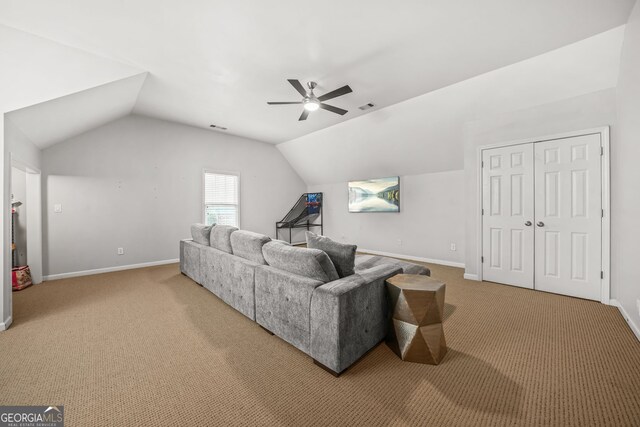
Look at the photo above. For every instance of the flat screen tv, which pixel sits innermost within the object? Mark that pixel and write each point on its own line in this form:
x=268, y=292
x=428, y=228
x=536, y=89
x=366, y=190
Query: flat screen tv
x=375, y=195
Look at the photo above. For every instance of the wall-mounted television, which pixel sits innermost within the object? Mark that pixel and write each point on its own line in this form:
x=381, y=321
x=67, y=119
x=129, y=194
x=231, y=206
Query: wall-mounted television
x=375, y=195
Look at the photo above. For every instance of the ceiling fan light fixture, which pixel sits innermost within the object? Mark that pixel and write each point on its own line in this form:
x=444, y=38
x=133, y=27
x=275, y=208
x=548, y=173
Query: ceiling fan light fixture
x=311, y=104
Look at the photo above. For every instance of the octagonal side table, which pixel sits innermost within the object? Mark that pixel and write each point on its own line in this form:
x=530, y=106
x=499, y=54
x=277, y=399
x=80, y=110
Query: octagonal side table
x=417, y=307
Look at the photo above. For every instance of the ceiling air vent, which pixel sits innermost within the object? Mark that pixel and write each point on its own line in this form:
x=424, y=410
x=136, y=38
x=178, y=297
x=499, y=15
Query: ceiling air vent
x=218, y=127
x=366, y=106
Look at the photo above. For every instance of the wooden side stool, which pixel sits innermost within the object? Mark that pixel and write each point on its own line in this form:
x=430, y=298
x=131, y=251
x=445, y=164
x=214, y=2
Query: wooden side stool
x=417, y=308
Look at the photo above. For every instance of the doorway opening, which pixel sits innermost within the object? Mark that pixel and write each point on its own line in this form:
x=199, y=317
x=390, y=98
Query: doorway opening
x=26, y=235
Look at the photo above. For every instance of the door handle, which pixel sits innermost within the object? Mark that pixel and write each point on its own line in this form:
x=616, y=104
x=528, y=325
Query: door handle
x=528, y=223
x=540, y=224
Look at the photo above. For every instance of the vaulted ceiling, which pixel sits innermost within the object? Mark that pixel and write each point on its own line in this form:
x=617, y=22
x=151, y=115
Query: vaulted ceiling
x=214, y=61
x=62, y=118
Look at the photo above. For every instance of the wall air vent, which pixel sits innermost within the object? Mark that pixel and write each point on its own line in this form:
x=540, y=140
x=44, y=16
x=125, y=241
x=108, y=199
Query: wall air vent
x=366, y=106
x=218, y=127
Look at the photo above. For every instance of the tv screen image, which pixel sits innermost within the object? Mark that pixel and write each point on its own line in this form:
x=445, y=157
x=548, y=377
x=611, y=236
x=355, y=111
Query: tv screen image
x=375, y=195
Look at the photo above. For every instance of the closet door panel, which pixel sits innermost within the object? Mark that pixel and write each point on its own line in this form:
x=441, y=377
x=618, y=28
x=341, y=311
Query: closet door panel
x=568, y=216
x=507, y=209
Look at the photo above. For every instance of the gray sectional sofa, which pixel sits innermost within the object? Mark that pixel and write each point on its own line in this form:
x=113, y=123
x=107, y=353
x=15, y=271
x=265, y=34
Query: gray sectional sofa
x=294, y=292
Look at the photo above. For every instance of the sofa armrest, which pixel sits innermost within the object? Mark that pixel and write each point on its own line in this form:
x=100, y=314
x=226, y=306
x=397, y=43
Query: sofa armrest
x=190, y=259
x=349, y=317
x=282, y=304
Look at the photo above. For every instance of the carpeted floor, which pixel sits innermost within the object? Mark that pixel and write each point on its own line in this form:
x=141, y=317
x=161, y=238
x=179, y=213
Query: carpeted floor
x=150, y=347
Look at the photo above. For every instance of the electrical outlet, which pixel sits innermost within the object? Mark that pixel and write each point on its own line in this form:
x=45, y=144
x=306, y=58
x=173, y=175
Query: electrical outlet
x=638, y=304
x=399, y=242
x=453, y=246
x=57, y=208
x=120, y=251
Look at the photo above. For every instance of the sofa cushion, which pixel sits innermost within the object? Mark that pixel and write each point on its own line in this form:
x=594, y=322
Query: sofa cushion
x=248, y=245
x=342, y=255
x=364, y=262
x=221, y=238
x=201, y=233
x=231, y=278
x=312, y=263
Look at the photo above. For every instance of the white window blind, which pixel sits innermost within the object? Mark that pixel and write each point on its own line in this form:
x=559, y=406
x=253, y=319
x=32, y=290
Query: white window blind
x=221, y=199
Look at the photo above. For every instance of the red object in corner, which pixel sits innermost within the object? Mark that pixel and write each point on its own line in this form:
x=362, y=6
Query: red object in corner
x=20, y=277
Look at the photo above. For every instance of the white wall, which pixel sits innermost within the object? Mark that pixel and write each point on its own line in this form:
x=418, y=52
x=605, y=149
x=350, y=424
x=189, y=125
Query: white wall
x=22, y=149
x=578, y=113
x=5, y=229
x=136, y=183
x=431, y=217
x=625, y=178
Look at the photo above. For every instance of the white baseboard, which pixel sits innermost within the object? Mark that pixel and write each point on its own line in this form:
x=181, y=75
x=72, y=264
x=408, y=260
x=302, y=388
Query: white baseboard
x=108, y=269
x=414, y=258
x=626, y=317
x=5, y=325
x=470, y=276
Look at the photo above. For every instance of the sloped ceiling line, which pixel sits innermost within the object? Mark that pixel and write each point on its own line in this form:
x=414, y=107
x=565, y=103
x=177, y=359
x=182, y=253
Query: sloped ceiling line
x=213, y=61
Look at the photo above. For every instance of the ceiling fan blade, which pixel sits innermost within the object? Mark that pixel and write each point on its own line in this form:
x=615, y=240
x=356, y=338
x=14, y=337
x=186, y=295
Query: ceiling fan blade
x=304, y=115
x=284, y=103
x=333, y=109
x=336, y=93
x=298, y=86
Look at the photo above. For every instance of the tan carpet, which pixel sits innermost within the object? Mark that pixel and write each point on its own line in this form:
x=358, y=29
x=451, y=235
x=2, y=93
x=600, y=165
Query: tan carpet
x=150, y=347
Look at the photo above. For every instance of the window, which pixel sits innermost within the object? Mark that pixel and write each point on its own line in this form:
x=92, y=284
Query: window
x=221, y=198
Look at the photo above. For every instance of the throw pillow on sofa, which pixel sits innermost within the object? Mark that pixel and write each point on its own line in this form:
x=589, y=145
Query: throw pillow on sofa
x=312, y=263
x=201, y=233
x=342, y=255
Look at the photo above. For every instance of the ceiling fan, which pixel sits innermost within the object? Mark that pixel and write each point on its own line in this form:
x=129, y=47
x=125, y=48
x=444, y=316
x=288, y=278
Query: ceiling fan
x=311, y=102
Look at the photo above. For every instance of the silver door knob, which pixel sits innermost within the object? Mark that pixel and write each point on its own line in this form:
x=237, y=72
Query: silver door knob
x=540, y=224
x=528, y=223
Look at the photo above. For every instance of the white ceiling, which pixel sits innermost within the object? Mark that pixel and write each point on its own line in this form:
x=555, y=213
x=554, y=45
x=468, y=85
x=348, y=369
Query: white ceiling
x=57, y=120
x=215, y=61
x=427, y=133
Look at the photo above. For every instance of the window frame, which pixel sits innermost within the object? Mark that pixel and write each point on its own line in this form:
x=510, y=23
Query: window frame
x=204, y=205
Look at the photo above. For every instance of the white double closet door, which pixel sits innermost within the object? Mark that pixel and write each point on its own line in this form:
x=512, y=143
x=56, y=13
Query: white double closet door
x=542, y=216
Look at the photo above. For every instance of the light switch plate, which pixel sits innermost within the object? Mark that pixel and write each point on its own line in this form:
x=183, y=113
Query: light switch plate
x=57, y=208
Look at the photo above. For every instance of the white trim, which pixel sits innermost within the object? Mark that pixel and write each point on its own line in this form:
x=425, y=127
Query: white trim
x=34, y=224
x=413, y=258
x=469, y=276
x=563, y=135
x=634, y=328
x=5, y=325
x=606, y=191
x=109, y=269
x=605, y=291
